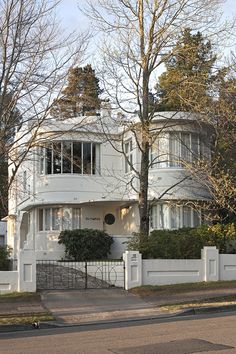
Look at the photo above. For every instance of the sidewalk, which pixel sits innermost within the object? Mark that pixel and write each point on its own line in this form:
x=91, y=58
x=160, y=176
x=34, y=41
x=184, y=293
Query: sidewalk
x=78, y=307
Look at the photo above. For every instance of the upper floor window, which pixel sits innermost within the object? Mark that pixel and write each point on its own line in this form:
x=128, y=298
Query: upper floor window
x=128, y=156
x=176, y=149
x=70, y=157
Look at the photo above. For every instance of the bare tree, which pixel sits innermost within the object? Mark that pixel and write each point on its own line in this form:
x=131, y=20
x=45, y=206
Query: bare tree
x=35, y=55
x=138, y=36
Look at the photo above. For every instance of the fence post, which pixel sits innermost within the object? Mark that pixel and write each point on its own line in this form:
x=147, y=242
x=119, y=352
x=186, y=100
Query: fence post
x=27, y=271
x=210, y=257
x=133, y=269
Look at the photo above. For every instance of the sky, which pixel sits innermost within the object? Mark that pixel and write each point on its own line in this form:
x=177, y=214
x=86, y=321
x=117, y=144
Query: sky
x=72, y=18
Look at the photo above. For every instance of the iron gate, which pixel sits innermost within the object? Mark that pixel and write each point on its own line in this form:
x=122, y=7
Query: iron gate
x=79, y=275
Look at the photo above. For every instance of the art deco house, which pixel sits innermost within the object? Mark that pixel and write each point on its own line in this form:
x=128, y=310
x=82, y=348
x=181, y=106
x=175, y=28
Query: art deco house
x=79, y=176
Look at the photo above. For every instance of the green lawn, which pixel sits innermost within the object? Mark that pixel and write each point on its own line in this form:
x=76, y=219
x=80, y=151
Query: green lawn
x=149, y=290
x=24, y=297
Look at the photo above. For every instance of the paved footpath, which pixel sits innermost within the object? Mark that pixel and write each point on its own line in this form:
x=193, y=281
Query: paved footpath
x=98, y=305
x=93, y=305
x=103, y=305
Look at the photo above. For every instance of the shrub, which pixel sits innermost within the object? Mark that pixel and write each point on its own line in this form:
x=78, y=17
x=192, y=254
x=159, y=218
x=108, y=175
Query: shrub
x=5, y=252
x=187, y=242
x=85, y=244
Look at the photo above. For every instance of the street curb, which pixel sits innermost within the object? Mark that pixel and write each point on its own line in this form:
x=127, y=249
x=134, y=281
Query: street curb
x=55, y=324
x=210, y=309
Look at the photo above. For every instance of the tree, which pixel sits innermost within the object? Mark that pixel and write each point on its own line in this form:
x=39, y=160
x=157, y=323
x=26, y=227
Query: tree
x=34, y=60
x=221, y=172
x=10, y=119
x=81, y=94
x=188, y=75
x=138, y=38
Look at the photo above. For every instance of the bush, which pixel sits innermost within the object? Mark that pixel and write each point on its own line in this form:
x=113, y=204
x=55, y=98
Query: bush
x=186, y=243
x=85, y=244
x=5, y=252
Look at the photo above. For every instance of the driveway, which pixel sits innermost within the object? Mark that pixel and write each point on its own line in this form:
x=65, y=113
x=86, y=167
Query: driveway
x=95, y=305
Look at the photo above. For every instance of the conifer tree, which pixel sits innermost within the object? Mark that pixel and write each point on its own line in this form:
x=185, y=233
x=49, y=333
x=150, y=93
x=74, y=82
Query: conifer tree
x=188, y=75
x=81, y=94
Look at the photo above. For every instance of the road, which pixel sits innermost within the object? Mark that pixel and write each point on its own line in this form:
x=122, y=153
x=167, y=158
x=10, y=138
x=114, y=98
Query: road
x=212, y=334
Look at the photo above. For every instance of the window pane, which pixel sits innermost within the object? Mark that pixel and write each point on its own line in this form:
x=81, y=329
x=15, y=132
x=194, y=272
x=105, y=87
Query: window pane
x=56, y=158
x=161, y=222
x=48, y=160
x=42, y=159
x=185, y=147
x=40, y=219
x=76, y=218
x=66, y=219
x=93, y=159
x=97, y=159
x=56, y=219
x=187, y=216
x=47, y=219
x=77, y=167
x=66, y=157
x=195, y=147
x=175, y=217
x=174, y=150
x=163, y=152
x=87, y=158
x=196, y=218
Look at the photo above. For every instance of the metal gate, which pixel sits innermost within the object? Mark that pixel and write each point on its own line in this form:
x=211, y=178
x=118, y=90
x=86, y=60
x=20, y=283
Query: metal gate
x=79, y=275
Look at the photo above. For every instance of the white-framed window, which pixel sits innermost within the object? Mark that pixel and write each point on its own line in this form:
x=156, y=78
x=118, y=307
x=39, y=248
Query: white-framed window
x=176, y=149
x=165, y=216
x=67, y=157
x=128, y=149
x=57, y=219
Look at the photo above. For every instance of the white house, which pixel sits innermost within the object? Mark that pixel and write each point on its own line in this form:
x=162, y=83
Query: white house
x=77, y=177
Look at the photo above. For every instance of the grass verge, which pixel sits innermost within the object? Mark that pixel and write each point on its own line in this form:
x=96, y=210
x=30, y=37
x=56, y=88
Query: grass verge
x=15, y=297
x=149, y=290
x=25, y=319
x=211, y=302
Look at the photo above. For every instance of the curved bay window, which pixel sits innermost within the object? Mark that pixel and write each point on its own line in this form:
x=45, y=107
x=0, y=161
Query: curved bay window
x=70, y=157
x=166, y=216
x=176, y=149
x=57, y=219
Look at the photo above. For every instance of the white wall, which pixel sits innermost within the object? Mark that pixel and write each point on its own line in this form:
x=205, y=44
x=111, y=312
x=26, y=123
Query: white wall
x=8, y=282
x=171, y=271
x=211, y=267
x=227, y=266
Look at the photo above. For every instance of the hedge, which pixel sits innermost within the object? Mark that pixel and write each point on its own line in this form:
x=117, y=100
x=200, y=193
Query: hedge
x=186, y=243
x=85, y=244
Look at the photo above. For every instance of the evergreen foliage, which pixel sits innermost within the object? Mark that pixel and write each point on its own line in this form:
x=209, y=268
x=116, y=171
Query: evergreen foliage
x=186, y=243
x=85, y=244
x=188, y=75
x=81, y=94
x=5, y=252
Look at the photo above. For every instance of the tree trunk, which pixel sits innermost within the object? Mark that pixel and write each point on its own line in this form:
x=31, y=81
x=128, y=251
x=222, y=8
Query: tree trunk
x=144, y=170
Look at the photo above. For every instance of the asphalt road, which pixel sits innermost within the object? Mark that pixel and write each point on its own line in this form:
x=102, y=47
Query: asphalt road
x=212, y=334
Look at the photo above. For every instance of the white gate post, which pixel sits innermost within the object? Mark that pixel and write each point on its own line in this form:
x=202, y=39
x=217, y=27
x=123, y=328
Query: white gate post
x=27, y=271
x=210, y=257
x=133, y=269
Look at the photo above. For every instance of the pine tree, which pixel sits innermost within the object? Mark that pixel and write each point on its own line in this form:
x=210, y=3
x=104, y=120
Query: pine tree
x=188, y=75
x=81, y=94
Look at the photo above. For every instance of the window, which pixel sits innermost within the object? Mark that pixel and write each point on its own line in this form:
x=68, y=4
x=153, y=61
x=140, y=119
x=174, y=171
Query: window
x=56, y=219
x=175, y=149
x=164, y=216
x=25, y=181
x=128, y=156
x=70, y=157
